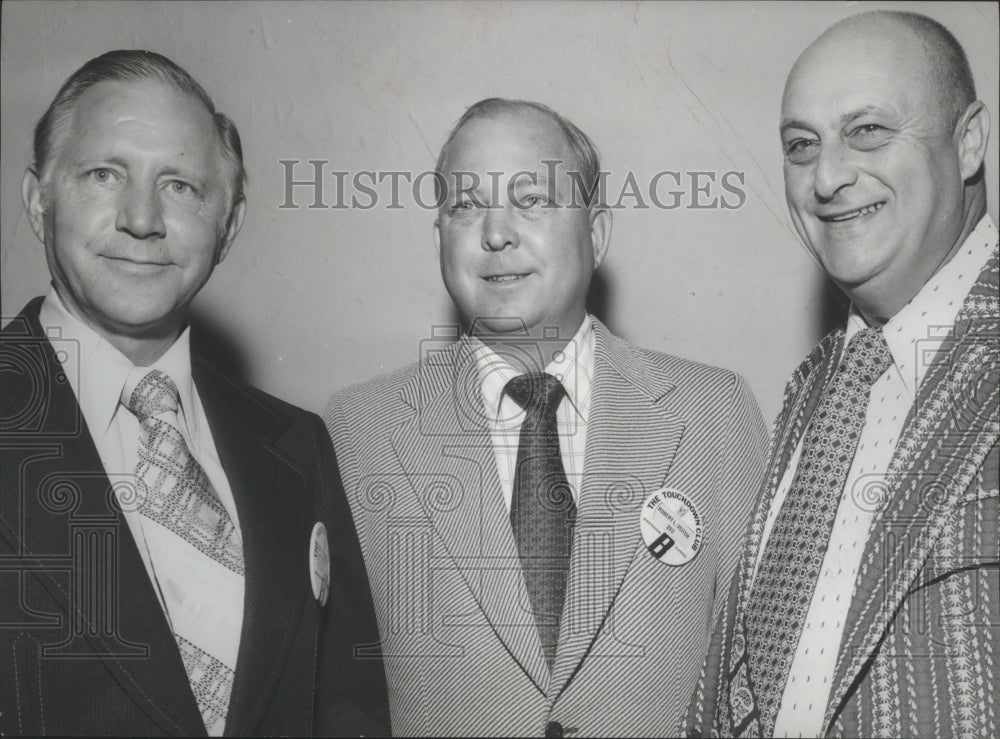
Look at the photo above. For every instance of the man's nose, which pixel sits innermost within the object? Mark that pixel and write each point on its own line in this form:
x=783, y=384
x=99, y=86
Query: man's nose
x=835, y=169
x=499, y=228
x=140, y=212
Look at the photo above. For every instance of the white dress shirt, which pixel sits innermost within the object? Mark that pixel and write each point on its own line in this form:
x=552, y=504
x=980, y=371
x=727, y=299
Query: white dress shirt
x=96, y=372
x=573, y=366
x=913, y=336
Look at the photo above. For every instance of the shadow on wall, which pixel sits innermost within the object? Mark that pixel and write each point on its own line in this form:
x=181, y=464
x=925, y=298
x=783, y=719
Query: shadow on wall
x=833, y=307
x=211, y=340
x=598, y=298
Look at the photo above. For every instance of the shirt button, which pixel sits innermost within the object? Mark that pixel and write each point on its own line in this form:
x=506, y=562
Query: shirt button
x=553, y=730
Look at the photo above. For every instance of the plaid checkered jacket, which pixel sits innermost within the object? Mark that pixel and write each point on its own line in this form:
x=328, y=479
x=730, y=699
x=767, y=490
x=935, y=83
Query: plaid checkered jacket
x=921, y=648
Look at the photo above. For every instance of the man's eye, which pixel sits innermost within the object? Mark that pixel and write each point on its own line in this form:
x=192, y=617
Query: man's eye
x=101, y=174
x=869, y=136
x=466, y=204
x=798, y=151
x=869, y=131
x=178, y=187
x=532, y=201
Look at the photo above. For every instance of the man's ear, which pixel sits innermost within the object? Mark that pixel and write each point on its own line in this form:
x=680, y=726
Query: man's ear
x=437, y=236
x=973, y=133
x=233, y=226
x=600, y=233
x=31, y=196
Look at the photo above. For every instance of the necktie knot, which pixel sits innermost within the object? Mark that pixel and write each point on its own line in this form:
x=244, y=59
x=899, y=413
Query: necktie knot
x=150, y=394
x=536, y=391
x=866, y=356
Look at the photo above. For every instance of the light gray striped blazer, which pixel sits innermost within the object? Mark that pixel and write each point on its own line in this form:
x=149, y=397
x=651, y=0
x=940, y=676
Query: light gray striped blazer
x=461, y=652
x=921, y=649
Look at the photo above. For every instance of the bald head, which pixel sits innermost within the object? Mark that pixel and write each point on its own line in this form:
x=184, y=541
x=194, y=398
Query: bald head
x=941, y=58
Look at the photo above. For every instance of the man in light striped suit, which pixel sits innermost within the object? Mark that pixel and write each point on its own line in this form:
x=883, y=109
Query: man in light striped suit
x=549, y=516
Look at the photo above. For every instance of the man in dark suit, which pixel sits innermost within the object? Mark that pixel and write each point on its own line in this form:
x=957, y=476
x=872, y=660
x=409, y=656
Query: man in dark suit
x=176, y=552
x=867, y=602
x=549, y=514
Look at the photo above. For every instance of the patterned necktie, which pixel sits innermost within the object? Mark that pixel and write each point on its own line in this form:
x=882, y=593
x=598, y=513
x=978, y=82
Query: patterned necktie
x=195, y=550
x=542, y=512
x=793, y=556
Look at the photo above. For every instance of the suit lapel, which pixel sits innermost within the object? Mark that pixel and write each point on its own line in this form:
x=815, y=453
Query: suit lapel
x=631, y=442
x=136, y=643
x=445, y=450
x=272, y=504
x=950, y=430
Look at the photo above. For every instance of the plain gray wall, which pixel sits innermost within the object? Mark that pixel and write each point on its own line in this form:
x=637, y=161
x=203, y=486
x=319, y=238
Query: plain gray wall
x=311, y=300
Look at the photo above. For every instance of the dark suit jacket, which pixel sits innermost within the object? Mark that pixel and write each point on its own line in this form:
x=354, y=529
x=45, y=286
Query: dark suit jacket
x=84, y=644
x=462, y=652
x=920, y=654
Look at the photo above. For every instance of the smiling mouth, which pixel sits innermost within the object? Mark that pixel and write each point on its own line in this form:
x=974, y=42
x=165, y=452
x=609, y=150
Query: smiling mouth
x=505, y=278
x=851, y=215
x=137, y=264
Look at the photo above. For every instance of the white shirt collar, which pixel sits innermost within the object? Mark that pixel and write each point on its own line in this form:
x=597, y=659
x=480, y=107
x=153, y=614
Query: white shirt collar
x=96, y=371
x=917, y=331
x=573, y=365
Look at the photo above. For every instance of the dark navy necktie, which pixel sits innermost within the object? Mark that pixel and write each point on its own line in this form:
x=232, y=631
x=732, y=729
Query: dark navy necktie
x=542, y=512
